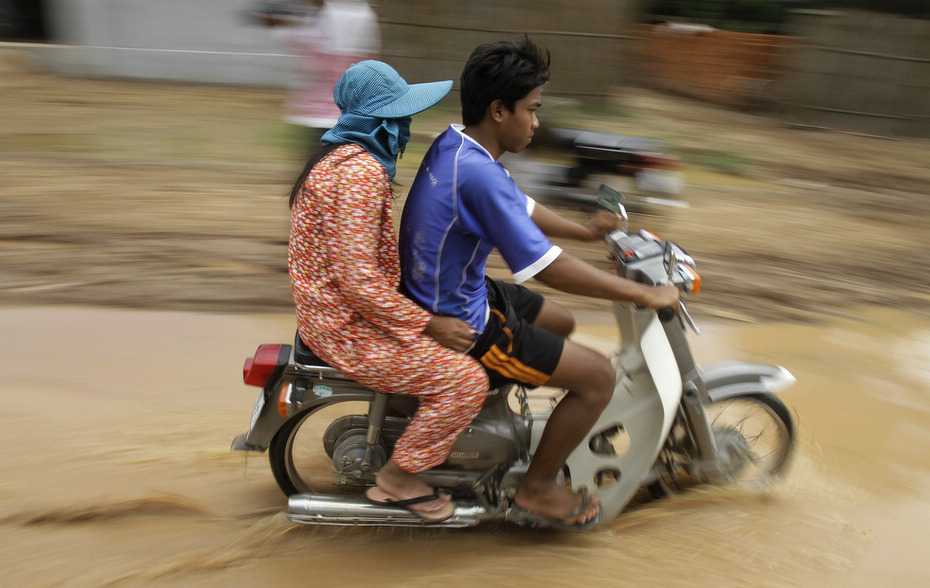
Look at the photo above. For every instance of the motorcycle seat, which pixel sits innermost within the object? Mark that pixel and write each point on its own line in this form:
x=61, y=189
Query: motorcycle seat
x=303, y=354
x=604, y=142
x=617, y=144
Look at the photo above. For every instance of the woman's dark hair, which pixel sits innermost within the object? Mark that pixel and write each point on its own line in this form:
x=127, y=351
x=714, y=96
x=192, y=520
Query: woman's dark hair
x=314, y=159
x=506, y=71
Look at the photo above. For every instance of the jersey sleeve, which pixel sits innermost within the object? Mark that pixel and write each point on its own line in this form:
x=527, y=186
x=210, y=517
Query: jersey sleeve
x=493, y=206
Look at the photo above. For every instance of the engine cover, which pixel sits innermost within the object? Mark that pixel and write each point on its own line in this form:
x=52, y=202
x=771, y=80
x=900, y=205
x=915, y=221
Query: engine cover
x=483, y=445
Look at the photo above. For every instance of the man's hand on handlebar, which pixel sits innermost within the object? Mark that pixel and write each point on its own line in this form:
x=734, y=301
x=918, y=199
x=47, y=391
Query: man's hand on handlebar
x=662, y=297
x=602, y=223
x=450, y=332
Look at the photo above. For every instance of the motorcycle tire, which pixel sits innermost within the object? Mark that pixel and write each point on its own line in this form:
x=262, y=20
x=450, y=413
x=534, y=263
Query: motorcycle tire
x=756, y=424
x=299, y=460
x=771, y=447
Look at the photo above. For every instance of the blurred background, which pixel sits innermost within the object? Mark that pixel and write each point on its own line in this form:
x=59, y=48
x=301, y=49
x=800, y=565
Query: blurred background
x=146, y=146
x=855, y=64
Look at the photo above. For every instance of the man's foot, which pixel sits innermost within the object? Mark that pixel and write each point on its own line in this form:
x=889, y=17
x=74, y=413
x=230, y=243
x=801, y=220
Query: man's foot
x=433, y=507
x=559, y=506
x=527, y=518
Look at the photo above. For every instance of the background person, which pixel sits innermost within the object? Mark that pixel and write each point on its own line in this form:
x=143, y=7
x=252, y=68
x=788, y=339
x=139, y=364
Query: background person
x=325, y=37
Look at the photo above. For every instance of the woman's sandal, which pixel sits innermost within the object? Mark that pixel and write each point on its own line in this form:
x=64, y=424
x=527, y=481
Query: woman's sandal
x=434, y=516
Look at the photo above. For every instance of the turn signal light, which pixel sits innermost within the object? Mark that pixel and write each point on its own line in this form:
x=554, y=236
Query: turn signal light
x=695, y=279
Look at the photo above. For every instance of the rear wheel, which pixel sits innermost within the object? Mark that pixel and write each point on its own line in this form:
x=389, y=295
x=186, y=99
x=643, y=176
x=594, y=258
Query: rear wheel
x=323, y=451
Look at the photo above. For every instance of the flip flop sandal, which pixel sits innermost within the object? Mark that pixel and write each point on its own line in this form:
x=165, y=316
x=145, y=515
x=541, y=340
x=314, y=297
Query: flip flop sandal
x=527, y=518
x=436, y=516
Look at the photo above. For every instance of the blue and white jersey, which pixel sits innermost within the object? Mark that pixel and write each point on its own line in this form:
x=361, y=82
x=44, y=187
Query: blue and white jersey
x=461, y=207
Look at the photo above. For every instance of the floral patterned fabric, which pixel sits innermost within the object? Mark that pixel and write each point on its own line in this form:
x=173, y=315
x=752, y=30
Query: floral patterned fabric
x=344, y=270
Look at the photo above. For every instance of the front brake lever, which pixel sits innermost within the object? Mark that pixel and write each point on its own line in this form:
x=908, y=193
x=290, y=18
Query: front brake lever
x=670, y=268
x=686, y=316
x=666, y=314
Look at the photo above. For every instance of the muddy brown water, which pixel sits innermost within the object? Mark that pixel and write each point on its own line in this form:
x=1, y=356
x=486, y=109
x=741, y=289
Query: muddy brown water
x=116, y=470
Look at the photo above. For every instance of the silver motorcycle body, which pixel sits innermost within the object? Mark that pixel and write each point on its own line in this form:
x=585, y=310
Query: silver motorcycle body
x=661, y=429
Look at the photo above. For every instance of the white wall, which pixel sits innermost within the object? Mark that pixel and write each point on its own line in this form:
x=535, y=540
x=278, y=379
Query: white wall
x=185, y=40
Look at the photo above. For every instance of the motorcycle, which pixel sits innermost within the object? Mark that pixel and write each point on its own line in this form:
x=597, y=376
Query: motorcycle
x=670, y=424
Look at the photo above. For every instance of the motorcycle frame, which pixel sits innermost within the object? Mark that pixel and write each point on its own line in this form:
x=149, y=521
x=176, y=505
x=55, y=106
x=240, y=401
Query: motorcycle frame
x=657, y=376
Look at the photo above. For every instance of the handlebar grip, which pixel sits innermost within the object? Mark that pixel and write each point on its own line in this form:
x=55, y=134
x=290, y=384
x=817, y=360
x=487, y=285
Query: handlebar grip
x=666, y=314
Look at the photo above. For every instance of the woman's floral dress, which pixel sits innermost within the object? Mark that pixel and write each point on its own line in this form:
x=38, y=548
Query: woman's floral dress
x=344, y=270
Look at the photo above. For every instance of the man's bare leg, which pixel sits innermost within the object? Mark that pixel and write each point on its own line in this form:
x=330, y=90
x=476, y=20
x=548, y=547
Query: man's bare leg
x=589, y=378
x=555, y=318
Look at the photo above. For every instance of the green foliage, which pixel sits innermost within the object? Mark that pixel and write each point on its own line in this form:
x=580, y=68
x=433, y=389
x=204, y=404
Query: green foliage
x=768, y=16
x=760, y=16
x=918, y=8
x=724, y=162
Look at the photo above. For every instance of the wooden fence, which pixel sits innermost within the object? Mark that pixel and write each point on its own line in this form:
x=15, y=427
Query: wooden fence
x=735, y=69
x=588, y=39
x=859, y=71
x=855, y=71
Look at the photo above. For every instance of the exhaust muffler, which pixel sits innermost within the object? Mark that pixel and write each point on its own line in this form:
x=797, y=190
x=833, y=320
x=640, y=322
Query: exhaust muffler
x=356, y=510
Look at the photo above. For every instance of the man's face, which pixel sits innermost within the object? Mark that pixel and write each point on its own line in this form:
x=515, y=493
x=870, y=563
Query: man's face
x=517, y=127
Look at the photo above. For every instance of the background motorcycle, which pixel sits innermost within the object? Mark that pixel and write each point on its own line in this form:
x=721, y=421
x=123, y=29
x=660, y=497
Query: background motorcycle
x=565, y=166
x=670, y=423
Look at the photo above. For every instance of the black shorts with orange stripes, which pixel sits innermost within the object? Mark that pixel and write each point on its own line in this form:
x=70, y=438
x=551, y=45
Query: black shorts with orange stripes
x=511, y=349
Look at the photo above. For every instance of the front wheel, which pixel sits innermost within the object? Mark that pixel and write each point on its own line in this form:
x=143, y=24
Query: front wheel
x=755, y=437
x=754, y=434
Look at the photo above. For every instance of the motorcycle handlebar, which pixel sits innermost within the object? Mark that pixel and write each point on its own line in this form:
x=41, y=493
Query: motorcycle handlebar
x=666, y=314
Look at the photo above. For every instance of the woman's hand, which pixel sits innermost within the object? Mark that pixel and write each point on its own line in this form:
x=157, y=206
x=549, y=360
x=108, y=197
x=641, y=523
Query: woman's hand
x=450, y=332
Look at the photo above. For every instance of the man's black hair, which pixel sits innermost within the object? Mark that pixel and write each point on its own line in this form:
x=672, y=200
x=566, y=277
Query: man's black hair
x=506, y=71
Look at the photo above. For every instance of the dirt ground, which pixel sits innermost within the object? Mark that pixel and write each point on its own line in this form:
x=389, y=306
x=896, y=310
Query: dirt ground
x=164, y=196
x=115, y=470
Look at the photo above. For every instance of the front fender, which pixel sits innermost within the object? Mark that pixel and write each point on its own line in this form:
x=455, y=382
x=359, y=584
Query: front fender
x=735, y=378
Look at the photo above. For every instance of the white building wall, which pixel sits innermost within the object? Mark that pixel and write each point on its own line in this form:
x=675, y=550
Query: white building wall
x=185, y=40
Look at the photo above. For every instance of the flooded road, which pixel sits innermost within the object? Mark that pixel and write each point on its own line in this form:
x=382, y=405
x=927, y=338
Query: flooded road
x=116, y=470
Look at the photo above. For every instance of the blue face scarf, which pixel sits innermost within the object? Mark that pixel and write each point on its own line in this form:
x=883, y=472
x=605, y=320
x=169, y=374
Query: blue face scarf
x=384, y=138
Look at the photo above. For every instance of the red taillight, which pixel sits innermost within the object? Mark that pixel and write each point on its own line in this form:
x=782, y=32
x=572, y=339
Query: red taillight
x=260, y=367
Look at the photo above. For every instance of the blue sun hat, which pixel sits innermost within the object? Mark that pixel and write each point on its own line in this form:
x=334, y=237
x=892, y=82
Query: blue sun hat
x=376, y=105
x=373, y=88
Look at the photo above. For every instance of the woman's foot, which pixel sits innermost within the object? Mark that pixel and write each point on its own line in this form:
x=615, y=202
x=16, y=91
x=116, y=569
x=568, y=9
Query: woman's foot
x=433, y=507
x=396, y=487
